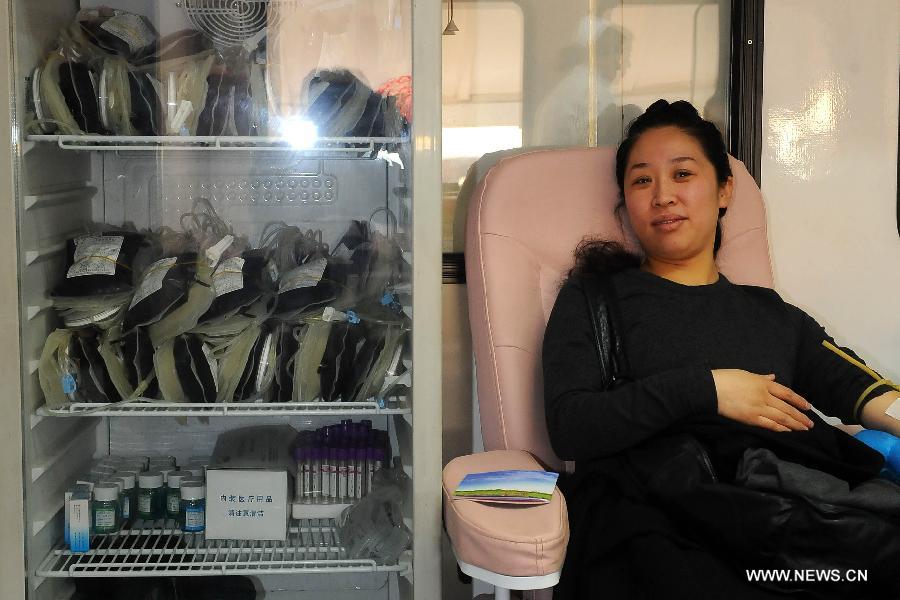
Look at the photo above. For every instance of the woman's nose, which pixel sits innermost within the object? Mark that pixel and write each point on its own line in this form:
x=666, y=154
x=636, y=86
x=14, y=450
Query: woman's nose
x=663, y=195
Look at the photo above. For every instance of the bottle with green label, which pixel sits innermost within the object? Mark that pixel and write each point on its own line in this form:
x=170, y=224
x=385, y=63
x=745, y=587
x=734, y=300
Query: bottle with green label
x=151, y=496
x=105, y=509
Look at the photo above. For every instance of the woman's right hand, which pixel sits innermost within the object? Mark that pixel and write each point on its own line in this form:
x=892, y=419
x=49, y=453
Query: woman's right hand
x=758, y=400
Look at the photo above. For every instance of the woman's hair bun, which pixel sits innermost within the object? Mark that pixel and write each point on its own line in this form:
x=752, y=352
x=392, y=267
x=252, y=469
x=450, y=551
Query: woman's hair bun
x=679, y=107
x=657, y=106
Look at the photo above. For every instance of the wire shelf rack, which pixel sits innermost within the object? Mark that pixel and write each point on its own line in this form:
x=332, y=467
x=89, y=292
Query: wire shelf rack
x=151, y=549
x=338, y=147
x=155, y=408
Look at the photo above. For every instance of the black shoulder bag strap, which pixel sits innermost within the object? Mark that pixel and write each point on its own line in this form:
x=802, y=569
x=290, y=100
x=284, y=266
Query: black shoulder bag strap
x=604, y=311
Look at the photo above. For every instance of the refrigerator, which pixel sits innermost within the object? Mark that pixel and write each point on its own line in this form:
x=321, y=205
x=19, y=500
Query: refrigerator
x=218, y=133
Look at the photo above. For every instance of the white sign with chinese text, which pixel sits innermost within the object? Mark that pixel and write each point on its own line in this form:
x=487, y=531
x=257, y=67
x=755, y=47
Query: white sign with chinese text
x=247, y=504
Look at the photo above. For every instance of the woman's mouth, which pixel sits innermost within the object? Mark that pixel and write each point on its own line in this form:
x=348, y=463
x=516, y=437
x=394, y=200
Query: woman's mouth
x=669, y=224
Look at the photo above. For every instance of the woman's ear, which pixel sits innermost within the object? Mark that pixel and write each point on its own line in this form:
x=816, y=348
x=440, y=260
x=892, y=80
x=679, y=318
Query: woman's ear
x=725, y=192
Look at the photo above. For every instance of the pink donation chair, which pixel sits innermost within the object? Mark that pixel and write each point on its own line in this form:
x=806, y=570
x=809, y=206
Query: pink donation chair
x=525, y=217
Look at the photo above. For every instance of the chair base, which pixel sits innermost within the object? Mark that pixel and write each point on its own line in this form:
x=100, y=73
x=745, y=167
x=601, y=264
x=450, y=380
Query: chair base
x=504, y=583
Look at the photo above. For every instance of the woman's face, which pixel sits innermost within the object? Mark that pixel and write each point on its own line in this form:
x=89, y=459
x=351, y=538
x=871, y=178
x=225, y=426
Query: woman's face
x=672, y=195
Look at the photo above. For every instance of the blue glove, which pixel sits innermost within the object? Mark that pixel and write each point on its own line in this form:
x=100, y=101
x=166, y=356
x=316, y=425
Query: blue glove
x=888, y=445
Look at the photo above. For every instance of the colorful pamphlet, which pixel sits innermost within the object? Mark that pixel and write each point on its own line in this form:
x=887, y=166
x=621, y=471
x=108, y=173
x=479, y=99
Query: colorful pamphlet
x=508, y=487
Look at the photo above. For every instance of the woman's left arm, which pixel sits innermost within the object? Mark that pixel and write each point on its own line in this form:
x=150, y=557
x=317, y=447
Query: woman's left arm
x=837, y=381
x=874, y=416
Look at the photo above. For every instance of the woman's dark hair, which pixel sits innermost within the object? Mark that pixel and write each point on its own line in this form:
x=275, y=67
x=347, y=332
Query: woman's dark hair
x=606, y=256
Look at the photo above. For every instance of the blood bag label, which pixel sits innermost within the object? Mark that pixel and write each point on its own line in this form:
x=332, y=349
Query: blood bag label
x=131, y=29
x=306, y=275
x=68, y=384
x=214, y=253
x=153, y=279
x=95, y=255
x=229, y=276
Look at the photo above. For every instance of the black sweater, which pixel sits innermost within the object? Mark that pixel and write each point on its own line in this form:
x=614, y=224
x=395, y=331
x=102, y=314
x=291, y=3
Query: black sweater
x=674, y=335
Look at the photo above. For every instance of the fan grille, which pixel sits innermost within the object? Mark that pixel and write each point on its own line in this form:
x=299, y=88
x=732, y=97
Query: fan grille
x=228, y=22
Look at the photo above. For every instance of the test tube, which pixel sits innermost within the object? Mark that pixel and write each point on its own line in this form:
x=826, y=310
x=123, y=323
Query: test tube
x=370, y=468
x=326, y=475
x=359, y=468
x=300, y=457
x=333, y=474
x=342, y=476
x=351, y=475
x=315, y=474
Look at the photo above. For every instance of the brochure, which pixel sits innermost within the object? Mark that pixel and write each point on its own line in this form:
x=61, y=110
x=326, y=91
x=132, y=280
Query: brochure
x=508, y=487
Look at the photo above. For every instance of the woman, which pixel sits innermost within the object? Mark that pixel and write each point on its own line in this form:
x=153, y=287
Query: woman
x=732, y=366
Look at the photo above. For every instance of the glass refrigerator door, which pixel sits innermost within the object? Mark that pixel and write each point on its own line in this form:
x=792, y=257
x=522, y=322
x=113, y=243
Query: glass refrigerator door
x=215, y=230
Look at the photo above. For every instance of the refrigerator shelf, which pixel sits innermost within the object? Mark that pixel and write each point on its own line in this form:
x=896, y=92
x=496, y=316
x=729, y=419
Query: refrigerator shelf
x=154, y=408
x=338, y=147
x=154, y=549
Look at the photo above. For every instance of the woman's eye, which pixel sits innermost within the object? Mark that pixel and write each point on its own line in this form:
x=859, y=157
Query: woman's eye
x=682, y=174
x=641, y=179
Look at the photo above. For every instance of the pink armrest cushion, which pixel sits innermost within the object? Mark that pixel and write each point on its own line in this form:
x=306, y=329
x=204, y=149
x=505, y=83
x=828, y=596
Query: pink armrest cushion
x=516, y=541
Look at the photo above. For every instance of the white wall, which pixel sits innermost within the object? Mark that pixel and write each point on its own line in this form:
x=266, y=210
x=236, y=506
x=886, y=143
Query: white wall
x=829, y=167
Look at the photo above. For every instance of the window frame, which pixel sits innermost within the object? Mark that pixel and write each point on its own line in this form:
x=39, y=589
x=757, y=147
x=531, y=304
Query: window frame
x=745, y=92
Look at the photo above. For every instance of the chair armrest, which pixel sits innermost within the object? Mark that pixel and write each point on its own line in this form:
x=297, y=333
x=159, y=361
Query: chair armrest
x=518, y=541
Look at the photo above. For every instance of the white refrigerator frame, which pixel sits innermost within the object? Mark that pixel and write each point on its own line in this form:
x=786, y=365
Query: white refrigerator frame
x=427, y=253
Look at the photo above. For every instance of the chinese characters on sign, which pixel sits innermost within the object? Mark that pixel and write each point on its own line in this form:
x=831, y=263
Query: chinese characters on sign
x=248, y=499
x=236, y=512
x=242, y=499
